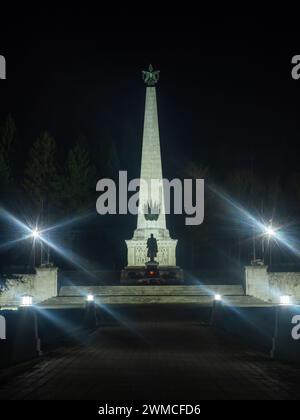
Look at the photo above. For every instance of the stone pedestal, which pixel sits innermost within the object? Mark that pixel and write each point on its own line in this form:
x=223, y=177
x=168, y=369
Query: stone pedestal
x=152, y=266
x=137, y=252
x=137, y=275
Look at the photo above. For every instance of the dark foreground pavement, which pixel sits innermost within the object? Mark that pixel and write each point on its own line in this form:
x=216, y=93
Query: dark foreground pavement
x=154, y=358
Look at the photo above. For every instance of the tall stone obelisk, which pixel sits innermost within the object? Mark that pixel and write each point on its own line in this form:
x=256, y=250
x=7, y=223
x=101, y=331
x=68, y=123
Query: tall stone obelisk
x=151, y=216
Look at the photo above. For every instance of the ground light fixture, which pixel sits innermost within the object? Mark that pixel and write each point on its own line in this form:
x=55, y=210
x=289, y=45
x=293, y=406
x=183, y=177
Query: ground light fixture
x=26, y=300
x=285, y=300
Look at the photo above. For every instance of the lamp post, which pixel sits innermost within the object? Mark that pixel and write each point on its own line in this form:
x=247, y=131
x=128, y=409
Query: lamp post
x=254, y=243
x=90, y=317
x=36, y=234
x=279, y=343
x=269, y=233
x=216, y=308
x=27, y=342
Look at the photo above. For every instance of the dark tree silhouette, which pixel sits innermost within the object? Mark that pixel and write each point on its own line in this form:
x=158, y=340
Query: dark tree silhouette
x=41, y=171
x=76, y=184
x=7, y=139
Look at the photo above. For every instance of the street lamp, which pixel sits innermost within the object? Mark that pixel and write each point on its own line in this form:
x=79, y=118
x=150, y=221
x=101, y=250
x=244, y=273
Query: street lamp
x=269, y=231
x=218, y=298
x=36, y=234
x=90, y=298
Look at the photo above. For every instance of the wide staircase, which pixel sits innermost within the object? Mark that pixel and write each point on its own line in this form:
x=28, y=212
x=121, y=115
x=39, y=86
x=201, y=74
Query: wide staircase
x=75, y=296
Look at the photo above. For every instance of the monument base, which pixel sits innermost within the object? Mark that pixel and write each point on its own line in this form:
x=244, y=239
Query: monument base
x=161, y=275
x=137, y=249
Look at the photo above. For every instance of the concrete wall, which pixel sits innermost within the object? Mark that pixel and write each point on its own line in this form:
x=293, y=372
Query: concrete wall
x=255, y=326
x=286, y=339
x=29, y=331
x=257, y=282
x=285, y=284
x=22, y=341
x=270, y=286
x=41, y=286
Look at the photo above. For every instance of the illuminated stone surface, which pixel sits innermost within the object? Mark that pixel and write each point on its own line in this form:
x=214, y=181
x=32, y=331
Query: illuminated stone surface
x=151, y=169
x=72, y=296
x=269, y=286
x=41, y=286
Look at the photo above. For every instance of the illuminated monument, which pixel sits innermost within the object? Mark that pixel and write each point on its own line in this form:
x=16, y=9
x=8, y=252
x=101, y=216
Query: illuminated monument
x=151, y=215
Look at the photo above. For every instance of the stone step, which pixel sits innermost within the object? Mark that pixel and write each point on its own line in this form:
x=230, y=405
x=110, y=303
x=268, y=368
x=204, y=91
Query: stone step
x=79, y=301
x=149, y=291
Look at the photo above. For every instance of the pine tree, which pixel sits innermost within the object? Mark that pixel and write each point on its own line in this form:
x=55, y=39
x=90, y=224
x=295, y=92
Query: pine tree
x=7, y=139
x=40, y=172
x=113, y=161
x=109, y=161
x=7, y=135
x=77, y=184
x=5, y=176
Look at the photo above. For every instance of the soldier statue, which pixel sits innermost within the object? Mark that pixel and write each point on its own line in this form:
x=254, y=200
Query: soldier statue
x=152, y=248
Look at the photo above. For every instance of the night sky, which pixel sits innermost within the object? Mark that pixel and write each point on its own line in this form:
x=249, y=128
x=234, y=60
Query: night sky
x=226, y=91
x=226, y=97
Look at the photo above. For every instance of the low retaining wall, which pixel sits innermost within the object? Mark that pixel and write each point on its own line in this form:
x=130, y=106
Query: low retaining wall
x=21, y=342
x=270, y=286
x=41, y=286
x=30, y=331
x=286, y=340
x=273, y=330
x=255, y=326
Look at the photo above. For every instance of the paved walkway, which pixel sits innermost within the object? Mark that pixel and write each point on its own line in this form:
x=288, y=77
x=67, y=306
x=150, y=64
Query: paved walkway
x=155, y=359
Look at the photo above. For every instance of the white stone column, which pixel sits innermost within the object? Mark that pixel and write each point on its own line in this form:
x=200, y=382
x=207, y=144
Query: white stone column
x=151, y=166
x=151, y=174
